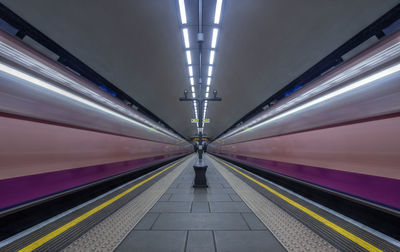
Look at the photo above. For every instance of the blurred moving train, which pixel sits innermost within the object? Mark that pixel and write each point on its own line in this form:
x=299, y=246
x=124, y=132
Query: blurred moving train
x=339, y=133
x=59, y=132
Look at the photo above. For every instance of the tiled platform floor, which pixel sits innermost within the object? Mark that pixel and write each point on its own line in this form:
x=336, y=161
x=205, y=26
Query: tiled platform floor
x=188, y=219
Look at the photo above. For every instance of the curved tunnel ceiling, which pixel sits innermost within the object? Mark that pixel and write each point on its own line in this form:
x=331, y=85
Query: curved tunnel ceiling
x=263, y=45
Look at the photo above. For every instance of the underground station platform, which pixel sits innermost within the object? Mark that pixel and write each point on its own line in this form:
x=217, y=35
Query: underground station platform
x=235, y=211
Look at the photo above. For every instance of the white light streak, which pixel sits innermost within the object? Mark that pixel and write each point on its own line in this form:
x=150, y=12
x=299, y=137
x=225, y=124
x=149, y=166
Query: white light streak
x=326, y=97
x=214, y=38
x=190, y=71
x=188, y=57
x=207, y=95
x=208, y=89
x=48, y=86
x=186, y=37
x=217, y=16
x=191, y=81
x=208, y=81
x=212, y=55
x=182, y=10
x=210, y=69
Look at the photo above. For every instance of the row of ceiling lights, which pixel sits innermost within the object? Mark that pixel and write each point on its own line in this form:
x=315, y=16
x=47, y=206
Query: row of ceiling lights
x=186, y=40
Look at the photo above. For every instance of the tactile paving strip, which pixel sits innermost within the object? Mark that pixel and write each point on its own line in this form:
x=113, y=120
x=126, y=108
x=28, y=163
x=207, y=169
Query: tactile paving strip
x=109, y=233
x=292, y=234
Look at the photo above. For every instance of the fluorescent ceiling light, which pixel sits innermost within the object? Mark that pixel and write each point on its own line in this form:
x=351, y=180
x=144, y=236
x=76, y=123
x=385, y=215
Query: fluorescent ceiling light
x=193, y=95
x=212, y=55
x=182, y=10
x=210, y=68
x=207, y=95
x=214, y=38
x=186, y=37
x=188, y=57
x=208, y=81
x=190, y=71
x=326, y=97
x=192, y=89
x=208, y=89
x=191, y=81
x=217, y=12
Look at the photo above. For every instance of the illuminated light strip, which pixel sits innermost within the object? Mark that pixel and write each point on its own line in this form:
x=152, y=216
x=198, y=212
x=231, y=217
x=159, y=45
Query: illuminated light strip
x=191, y=81
x=212, y=55
x=217, y=16
x=210, y=69
x=314, y=215
x=188, y=57
x=214, y=38
x=357, y=84
x=182, y=10
x=186, y=37
x=190, y=71
x=33, y=80
x=208, y=81
x=86, y=215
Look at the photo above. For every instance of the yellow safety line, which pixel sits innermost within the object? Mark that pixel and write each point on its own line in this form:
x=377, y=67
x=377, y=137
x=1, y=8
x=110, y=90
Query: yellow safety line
x=328, y=223
x=86, y=215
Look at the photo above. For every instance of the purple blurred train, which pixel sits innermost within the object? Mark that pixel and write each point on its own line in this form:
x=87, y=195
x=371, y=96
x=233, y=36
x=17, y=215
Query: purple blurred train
x=59, y=132
x=341, y=132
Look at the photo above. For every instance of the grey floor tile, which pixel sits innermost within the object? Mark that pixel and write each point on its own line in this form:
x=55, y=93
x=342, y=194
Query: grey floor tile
x=253, y=221
x=185, y=185
x=145, y=241
x=165, y=197
x=229, y=207
x=200, y=197
x=200, y=241
x=147, y=221
x=229, y=190
x=182, y=197
x=200, y=221
x=246, y=241
x=200, y=207
x=215, y=185
x=169, y=206
x=180, y=190
x=235, y=197
x=174, y=185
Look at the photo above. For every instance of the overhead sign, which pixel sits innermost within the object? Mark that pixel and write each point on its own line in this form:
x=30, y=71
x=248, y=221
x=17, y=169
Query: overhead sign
x=206, y=120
